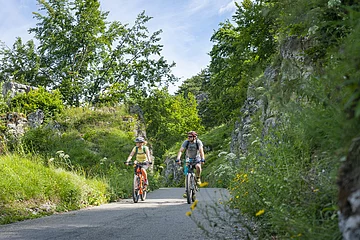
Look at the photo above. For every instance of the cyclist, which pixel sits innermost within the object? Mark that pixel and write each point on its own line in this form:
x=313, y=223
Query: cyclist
x=194, y=149
x=142, y=155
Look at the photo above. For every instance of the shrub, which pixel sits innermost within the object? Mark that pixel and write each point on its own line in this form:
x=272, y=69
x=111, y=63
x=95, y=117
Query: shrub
x=49, y=102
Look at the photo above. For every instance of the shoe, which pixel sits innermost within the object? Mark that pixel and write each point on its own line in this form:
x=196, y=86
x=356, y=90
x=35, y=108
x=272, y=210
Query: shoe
x=198, y=181
x=184, y=195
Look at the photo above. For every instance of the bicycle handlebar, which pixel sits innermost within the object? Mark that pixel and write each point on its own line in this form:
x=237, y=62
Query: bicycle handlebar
x=138, y=163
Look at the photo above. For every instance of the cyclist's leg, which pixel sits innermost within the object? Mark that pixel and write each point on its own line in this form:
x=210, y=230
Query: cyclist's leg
x=198, y=173
x=144, y=173
x=185, y=195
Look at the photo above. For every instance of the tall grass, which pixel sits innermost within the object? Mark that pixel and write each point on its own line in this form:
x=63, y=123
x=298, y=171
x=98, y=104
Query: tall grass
x=28, y=189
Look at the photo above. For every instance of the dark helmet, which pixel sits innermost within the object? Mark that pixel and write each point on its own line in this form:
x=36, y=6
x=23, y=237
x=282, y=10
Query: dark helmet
x=192, y=133
x=139, y=140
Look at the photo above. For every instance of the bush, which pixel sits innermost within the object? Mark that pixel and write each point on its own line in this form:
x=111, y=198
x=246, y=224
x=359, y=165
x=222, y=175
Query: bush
x=49, y=102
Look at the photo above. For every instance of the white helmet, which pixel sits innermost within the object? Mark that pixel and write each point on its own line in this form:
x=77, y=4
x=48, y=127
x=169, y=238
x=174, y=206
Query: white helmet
x=139, y=140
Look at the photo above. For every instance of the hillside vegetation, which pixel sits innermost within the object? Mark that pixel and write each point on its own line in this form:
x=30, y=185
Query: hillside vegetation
x=277, y=108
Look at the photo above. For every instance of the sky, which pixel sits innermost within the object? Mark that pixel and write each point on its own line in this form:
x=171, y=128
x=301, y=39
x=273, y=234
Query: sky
x=187, y=26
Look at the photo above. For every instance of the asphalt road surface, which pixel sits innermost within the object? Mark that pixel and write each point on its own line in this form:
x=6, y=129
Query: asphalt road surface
x=161, y=216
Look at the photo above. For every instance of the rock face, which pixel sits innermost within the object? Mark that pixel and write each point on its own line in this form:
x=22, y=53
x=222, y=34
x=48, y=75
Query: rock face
x=293, y=67
x=35, y=119
x=10, y=89
x=349, y=193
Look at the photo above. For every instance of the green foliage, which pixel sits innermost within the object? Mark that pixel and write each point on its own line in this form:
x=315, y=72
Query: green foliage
x=49, y=102
x=27, y=184
x=240, y=51
x=343, y=68
x=93, y=139
x=219, y=168
x=195, y=84
x=21, y=64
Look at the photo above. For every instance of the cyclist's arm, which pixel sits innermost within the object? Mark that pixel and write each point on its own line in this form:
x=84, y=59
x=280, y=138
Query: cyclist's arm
x=148, y=154
x=179, y=153
x=201, y=151
x=131, y=155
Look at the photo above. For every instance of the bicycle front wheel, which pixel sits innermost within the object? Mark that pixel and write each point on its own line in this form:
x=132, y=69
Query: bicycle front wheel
x=188, y=187
x=143, y=192
x=193, y=188
x=136, y=184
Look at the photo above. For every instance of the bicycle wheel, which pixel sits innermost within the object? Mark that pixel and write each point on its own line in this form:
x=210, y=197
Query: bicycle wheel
x=193, y=187
x=188, y=187
x=136, y=189
x=143, y=194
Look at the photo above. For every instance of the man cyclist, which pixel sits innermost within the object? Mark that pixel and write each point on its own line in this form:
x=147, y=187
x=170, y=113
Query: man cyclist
x=194, y=150
x=142, y=155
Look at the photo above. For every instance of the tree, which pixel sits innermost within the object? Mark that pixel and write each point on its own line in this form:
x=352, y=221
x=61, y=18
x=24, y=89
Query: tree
x=168, y=118
x=21, y=63
x=239, y=52
x=84, y=56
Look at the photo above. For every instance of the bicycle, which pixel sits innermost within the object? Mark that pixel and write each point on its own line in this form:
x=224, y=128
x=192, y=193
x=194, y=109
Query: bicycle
x=139, y=188
x=190, y=181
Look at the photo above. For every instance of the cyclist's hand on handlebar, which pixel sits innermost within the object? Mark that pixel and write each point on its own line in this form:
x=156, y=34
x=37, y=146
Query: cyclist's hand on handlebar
x=177, y=161
x=203, y=161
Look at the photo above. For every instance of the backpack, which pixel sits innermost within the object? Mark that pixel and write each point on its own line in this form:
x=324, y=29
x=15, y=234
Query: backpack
x=143, y=148
x=188, y=142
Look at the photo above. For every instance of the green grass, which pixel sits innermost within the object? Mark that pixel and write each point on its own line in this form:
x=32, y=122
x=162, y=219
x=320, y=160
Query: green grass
x=30, y=190
x=74, y=163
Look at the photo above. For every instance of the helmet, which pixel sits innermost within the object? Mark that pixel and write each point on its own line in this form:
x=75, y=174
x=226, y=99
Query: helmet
x=139, y=140
x=192, y=133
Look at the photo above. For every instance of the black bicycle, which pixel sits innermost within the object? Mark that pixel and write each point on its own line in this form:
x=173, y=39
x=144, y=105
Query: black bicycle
x=190, y=181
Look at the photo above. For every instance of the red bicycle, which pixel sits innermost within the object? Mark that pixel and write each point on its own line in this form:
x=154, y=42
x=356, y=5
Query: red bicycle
x=139, y=188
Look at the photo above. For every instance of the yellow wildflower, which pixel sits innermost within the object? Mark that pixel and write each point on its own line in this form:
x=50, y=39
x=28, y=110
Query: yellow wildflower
x=188, y=214
x=193, y=206
x=261, y=212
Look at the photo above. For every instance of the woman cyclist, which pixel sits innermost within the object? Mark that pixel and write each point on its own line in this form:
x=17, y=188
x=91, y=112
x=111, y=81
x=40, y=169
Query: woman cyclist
x=142, y=155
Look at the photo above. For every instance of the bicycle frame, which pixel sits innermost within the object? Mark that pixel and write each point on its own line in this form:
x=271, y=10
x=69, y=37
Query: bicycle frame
x=140, y=176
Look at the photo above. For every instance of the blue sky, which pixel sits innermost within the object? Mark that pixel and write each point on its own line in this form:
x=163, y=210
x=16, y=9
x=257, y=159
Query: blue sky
x=187, y=25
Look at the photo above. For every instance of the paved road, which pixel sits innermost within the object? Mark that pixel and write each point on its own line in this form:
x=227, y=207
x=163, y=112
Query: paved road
x=161, y=216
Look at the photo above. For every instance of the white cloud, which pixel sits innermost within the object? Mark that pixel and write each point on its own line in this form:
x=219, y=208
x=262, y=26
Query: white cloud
x=197, y=5
x=229, y=8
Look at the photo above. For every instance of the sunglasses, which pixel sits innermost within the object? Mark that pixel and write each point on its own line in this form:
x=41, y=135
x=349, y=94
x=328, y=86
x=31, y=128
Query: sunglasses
x=190, y=136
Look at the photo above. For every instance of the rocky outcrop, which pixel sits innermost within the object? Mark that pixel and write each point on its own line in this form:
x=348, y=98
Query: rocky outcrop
x=172, y=172
x=349, y=193
x=16, y=123
x=10, y=89
x=293, y=67
x=35, y=119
